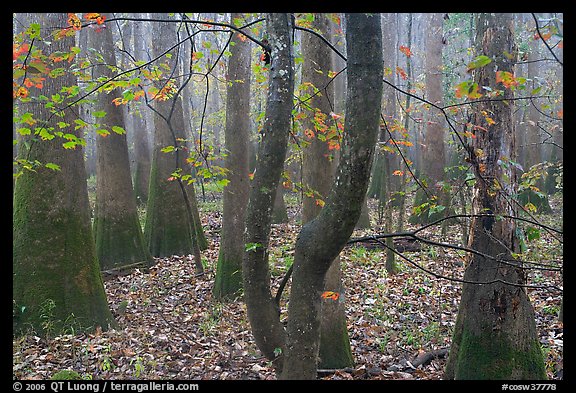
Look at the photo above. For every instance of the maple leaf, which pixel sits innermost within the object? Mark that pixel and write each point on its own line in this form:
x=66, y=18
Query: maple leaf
x=402, y=73
x=95, y=16
x=74, y=21
x=506, y=78
x=405, y=50
x=330, y=295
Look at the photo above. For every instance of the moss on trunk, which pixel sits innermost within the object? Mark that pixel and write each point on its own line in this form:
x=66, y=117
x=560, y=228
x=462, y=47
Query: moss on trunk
x=228, y=280
x=494, y=357
x=54, y=262
x=119, y=242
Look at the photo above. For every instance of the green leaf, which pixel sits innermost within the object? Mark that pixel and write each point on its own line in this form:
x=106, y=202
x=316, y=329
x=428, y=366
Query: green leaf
x=252, y=246
x=478, y=62
x=99, y=114
x=118, y=130
x=80, y=123
x=167, y=149
x=435, y=209
x=103, y=132
x=222, y=182
x=52, y=166
x=532, y=233
x=24, y=131
x=33, y=30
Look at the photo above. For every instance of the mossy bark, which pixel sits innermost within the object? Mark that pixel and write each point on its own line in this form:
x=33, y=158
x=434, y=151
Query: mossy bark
x=172, y=218
x=119, y=242
x=117, y=230
x=54, y=259
x=228, y=280
x=166, y=229
x=334, y=349
x=495, y=335
x=495, y=357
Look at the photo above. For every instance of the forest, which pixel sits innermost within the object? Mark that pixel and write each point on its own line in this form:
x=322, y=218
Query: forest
x=287, y=196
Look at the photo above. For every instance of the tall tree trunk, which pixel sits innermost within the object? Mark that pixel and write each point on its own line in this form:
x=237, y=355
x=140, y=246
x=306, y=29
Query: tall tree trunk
x=142, y=153
x=54, y=259
x=117, y=230
x=322, y=239
x=172, y=221
x=495, y=335
x=228, y=280
x=317, y=171
x=262, y=310
x=433, y=150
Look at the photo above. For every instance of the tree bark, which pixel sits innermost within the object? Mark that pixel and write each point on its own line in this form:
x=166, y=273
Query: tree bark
x=317, y=174
x=173, y=224
x=117, y=230
x=262, y=310
x=141, y=146
x=495, y=334
x=54, y=258
x=228, y=280
x=322, y=239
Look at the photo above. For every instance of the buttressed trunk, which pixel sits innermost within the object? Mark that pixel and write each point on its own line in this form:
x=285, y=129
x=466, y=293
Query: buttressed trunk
x=495, y=334
x=322, y=239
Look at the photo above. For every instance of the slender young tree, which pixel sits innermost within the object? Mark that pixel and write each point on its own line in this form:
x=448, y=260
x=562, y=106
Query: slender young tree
x=55, y=269
x=228, y=280
x=263, y=312
x=495, y=335
x=317, y=174
x=117, y=230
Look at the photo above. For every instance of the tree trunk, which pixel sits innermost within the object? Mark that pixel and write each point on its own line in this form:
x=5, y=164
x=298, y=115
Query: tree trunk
x=117, y=230
x=54, y=259
x=322, y=239
x=142, y=153
x=228, y=280
x=433, y=151
x=495, y=335
x=262, y=310
x=172, y=221
x=317, y=175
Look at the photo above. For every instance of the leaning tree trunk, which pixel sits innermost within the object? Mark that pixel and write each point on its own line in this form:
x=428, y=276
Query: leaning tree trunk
x=262, y=309
x=317, y=175
x=54, y=259
x=117, y=230
x=322, y=239
x=495, y=335
x=228, y=280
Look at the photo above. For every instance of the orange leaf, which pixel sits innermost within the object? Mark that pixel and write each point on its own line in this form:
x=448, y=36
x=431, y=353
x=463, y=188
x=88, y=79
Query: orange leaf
x=74, y=21
x=330, y=295
x=405, y=50
x=402, y=73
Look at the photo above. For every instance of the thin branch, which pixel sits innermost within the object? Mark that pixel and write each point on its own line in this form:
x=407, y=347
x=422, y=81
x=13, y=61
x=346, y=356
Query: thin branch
x=543, y=40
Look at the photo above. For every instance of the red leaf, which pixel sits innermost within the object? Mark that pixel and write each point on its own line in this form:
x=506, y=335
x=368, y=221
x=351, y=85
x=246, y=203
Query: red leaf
x=405, y=50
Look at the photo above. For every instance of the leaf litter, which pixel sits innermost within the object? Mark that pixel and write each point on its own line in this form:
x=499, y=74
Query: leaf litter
x=400, y=325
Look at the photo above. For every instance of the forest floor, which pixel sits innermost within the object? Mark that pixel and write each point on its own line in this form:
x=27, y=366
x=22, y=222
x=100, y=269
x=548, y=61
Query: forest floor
x=170, y=328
